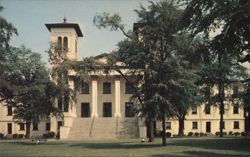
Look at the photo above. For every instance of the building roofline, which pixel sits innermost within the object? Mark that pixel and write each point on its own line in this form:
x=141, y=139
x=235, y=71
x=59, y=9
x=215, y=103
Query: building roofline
x=65, y=25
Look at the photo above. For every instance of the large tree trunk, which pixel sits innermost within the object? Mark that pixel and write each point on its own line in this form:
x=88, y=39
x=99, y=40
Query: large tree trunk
x=28, y=124
x=164, y=142
x=150, y=130
x=221, y=95
x=181, y=126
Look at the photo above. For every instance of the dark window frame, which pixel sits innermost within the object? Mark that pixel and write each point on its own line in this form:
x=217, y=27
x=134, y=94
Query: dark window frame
x=236, y=108
x=129, y=109
x=129, y=88
x=85, y=88
x=21, y=126
x=207, y=109
x=35, y=126
x=9, y=111
x=194, y=112
x=88, y=113
x=107, y=88
x=194, y=125
x=47, y=126
x=107, y=114
x=168, y=125
x=236, y=125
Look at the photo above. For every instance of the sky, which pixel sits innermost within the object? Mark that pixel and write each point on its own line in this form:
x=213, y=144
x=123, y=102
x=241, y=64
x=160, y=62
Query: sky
x=30, y=16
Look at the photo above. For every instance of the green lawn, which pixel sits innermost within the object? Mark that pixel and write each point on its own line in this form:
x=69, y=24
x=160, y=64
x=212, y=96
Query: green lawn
x=178, y=147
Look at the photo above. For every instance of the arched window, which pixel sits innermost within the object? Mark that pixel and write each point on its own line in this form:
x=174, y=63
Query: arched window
x=65, y=44
x=59, y=43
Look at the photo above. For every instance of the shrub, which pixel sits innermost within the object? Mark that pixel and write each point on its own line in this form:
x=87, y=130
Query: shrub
x=168, y=134
x=196, y=134
x=217, y=133
x=230, y=133
x=224, y=133
x=243, y=134
x=49, y=135
x=190, y=134
x=1, y=135
x=237, y=134
x=52, y=134
x=202, y=134
x=15, y=136
x=20, y=136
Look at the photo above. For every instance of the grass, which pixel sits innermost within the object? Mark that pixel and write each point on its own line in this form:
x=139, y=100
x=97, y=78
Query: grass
x=176, y=147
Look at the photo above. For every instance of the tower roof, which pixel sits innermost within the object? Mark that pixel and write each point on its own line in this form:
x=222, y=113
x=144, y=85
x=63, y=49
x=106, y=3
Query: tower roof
x=65, y=25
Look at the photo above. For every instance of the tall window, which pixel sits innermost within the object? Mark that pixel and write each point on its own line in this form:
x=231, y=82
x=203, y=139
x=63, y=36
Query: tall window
x=47, y=128
x=9, y=112
x=107, y=109
x=236, y=108
x=194, y=110
x=85, y=88
x=236, y=125
x=21, y=125
x=207, y=109
x=85, y=110
x=129, y=109
x=35, y=126
x=235, y=91
x=129, y=88
x=195, y=125
x=106, y=88
x=168, y=125
x=65, y=44
x=59, y=43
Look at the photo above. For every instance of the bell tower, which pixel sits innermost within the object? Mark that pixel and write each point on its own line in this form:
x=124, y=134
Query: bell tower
x=65, y=37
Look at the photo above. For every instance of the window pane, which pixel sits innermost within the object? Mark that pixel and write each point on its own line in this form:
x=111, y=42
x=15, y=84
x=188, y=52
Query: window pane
x=85, y=88
x=106, y=88
x=207, y=109
x=236, y=108
x=9, y=112
x=194, y=110
x=65, y=44
x=107, y=109
x=236, y=125
x=35, y=126
x=195, y=125
x=129, y=109
x=21, y=126
x=168, y=125
x=47, y=127
x=129, y=88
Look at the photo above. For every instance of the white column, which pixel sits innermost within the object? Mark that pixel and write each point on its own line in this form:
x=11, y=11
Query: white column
x=117, y=97
x=94, y=98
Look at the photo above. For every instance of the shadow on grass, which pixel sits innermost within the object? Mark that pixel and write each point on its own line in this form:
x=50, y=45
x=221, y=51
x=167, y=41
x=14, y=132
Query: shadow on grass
x=30, y=143
x=237, y=144
x=198, y=154
x=116, y=145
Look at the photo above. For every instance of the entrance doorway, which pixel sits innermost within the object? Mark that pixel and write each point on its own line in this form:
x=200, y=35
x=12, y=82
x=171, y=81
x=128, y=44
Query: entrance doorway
x=208, y=127
x=107, y=109
x=85, y=110
x=9, y=128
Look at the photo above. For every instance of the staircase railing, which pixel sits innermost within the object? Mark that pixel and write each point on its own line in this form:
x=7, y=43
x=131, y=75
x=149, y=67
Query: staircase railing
x=91, y=128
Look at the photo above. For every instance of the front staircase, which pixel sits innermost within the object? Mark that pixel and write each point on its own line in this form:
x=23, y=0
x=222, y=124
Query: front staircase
x=103, y=128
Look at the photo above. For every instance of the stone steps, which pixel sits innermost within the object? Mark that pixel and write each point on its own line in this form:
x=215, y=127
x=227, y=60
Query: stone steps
x=103, y=128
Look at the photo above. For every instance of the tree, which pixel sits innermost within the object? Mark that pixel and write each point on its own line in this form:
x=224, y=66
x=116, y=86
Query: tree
x=6, y=31
x=228, y=47
x=153, y=48
x=34, y=94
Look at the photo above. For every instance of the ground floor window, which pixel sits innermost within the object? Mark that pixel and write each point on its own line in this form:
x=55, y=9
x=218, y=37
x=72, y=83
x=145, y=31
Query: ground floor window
x=195, y=125
x=107, y=109
x=35, y=126
x=168, y=125
x=47, y=128
x=9, y=128
x=129, y=109
x=236, y=125
x=22, y=126
x=85, y=110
